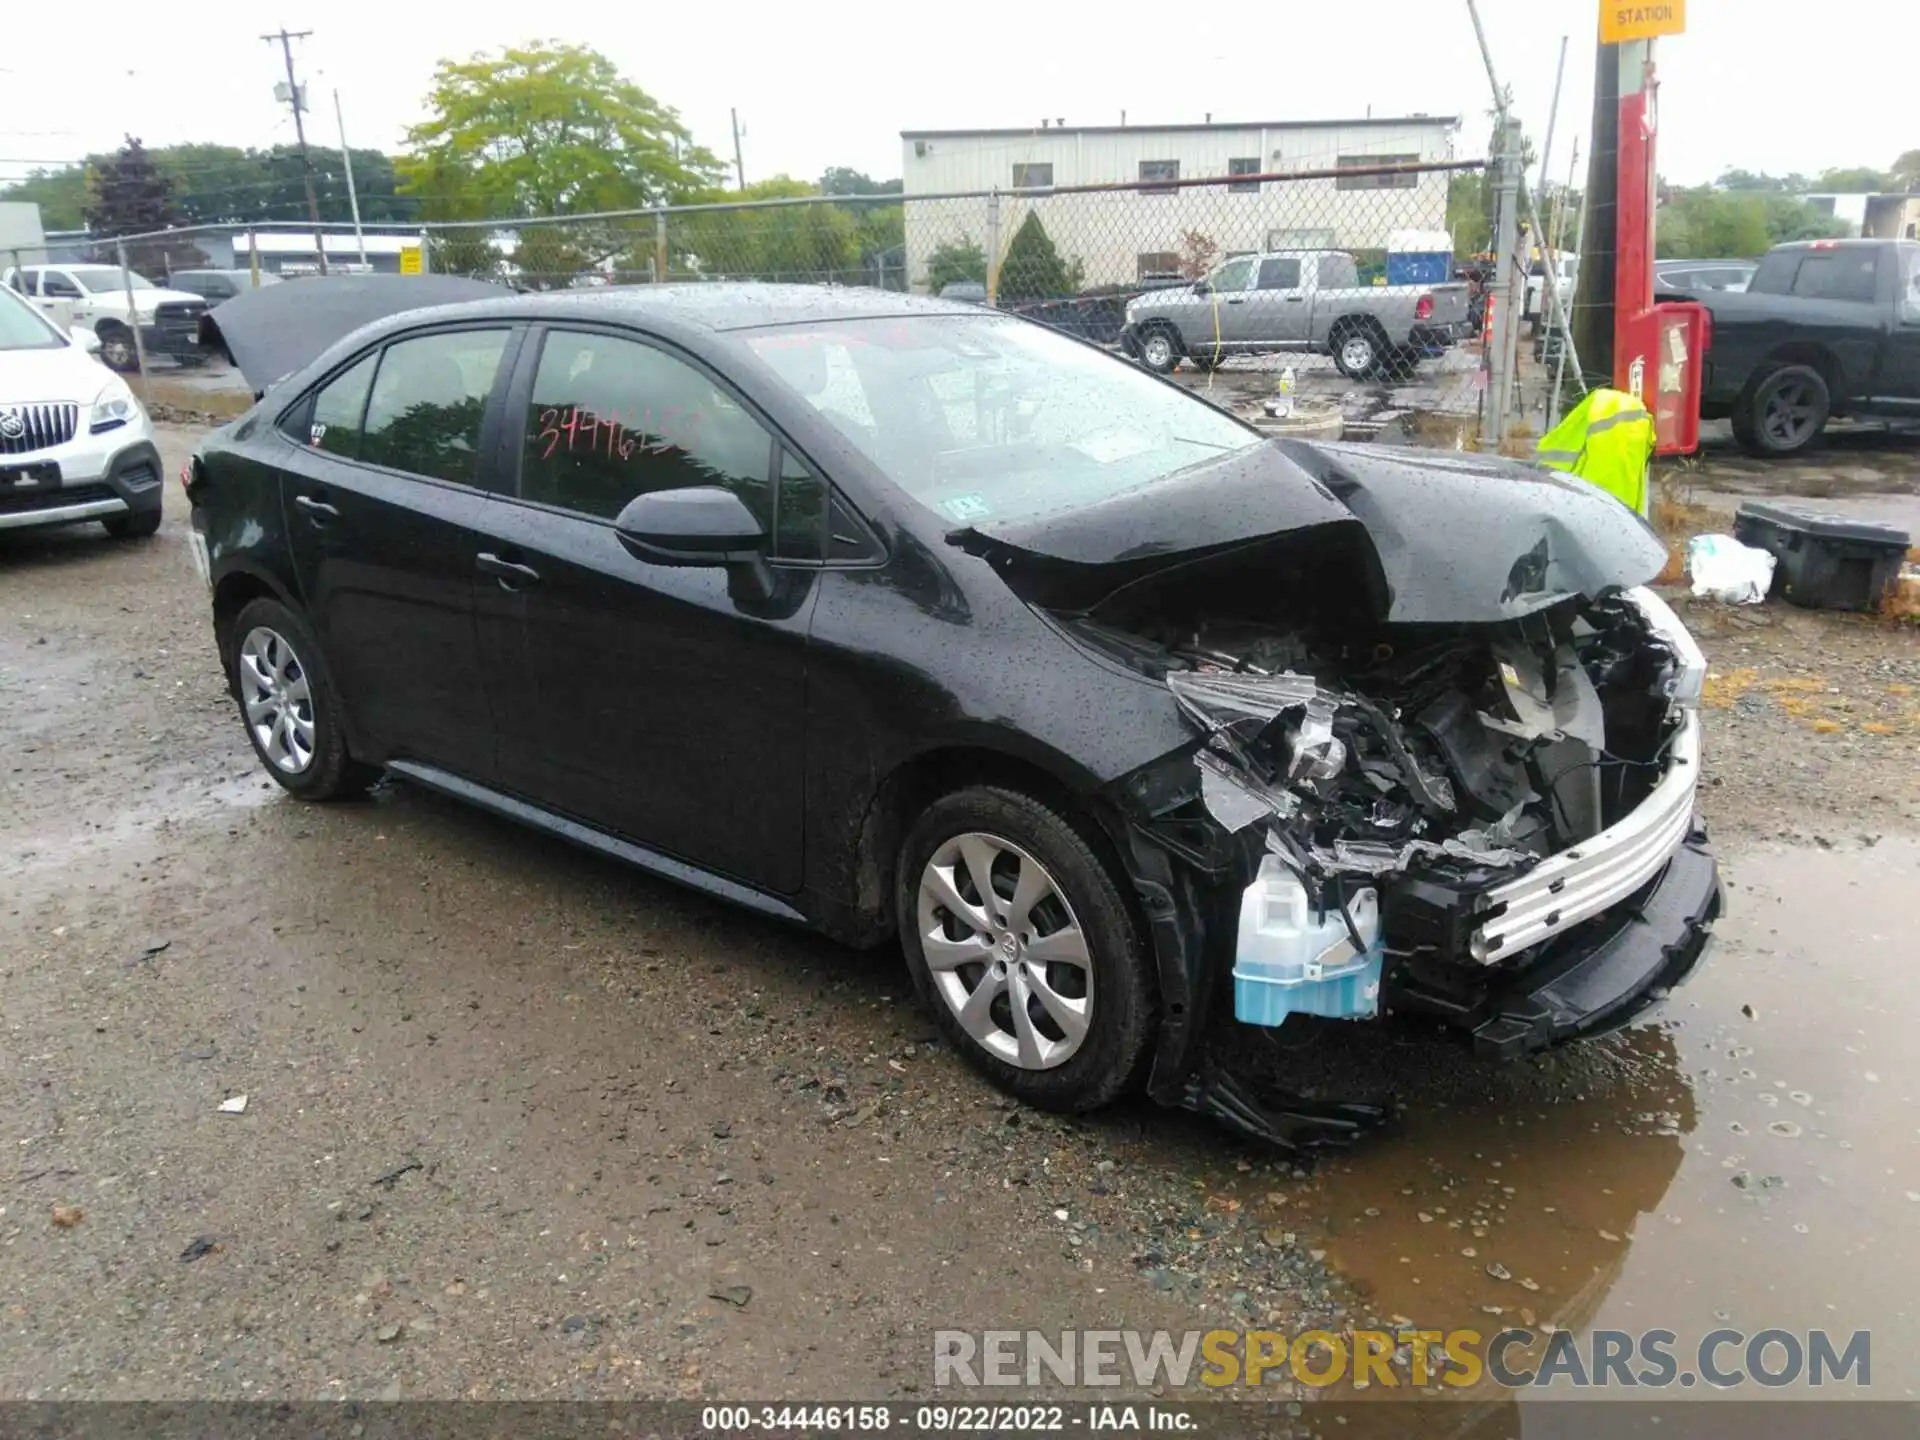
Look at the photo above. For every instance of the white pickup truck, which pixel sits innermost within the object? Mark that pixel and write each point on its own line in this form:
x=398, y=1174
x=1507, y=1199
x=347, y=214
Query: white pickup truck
x=1295, y=300
x=94, y=297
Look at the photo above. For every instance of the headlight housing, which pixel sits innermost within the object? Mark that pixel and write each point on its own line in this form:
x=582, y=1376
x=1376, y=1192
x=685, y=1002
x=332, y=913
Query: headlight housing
x=113, y=407
x=1687, y=684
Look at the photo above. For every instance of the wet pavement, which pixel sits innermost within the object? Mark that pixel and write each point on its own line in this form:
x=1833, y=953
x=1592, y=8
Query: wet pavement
x=520, y=1123
x=1753, y=1162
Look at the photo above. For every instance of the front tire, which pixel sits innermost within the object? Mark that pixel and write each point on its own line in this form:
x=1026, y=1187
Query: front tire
x=288, y=705
x=1784, y=413
x=1023, y=947
x=1160, y=349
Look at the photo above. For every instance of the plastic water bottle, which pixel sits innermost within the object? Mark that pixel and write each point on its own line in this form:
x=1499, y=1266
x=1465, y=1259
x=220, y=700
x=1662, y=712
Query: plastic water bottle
x=1281, y=405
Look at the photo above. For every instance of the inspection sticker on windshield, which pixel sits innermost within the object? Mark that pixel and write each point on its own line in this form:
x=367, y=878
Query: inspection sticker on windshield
x=967, y=507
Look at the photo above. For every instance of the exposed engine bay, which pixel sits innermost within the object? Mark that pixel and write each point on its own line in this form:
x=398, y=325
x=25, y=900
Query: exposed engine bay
x=1426, y=762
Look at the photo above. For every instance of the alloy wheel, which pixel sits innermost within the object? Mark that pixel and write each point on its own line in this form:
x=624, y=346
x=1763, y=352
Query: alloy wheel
x=1791, y=414
x=1005, y=951
x=1157, y=351
x=1356, y=354
x=278, y=700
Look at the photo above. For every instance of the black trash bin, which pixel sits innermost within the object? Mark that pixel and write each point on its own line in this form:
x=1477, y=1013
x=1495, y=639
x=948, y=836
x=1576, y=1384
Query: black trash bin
x=1823, y=561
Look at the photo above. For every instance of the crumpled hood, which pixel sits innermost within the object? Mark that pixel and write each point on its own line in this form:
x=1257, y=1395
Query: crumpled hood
x=1459, y=539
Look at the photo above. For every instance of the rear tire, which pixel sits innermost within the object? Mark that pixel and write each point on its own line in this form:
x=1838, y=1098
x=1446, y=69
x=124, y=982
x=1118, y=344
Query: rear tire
x=1358, y=350
x=288, y=704
x=1056, y=939
x=136, y=526
x=1783, y=412
x=117, y=350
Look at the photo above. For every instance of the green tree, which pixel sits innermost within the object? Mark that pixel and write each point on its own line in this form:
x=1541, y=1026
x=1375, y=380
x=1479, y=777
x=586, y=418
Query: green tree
x=548, y=129
x=1905, y=174
x=128, y=194
x=796, y=243
x=1467, y=213
x=1710, y=224
x=1033, y=268
x=60, y=193
x=1859, y=180
x=841, y=180
x=956, y=261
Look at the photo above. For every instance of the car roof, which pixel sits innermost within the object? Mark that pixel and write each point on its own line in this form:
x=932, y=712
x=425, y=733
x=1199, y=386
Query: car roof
x=714, y=306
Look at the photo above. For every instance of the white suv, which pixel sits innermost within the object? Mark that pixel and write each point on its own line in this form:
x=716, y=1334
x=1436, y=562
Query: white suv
x=74, y=442
x=94, y=297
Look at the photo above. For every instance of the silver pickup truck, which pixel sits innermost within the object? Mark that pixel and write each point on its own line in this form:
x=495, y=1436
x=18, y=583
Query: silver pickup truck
x=1308, y=300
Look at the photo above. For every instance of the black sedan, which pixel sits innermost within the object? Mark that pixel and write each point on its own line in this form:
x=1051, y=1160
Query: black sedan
x=902, y=618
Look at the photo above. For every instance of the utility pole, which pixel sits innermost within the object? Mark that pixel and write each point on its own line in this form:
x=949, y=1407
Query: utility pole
x=285, y=42
x=739, y=166
x=353, y=196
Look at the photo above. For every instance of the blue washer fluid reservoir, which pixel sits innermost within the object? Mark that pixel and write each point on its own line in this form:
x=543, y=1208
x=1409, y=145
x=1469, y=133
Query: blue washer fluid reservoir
x=1289, y=961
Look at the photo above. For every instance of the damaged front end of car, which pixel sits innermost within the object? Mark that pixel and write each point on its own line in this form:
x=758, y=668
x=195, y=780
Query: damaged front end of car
x=1428, y=779
x=1492, y=826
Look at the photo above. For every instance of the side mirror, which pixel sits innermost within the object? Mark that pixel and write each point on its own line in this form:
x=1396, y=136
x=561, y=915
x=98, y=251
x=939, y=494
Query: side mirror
x=703, y=525
x=1203, y=287
x=86, y=340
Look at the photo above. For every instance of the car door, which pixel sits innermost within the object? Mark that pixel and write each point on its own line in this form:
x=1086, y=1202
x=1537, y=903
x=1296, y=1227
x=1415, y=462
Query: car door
x=664, y=704
x=1902, y=383
x=1223, y=313
x=1281, y=311
x=385, y=475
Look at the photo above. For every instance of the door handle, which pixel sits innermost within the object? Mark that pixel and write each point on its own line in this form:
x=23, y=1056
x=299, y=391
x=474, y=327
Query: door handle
x=320, y=510
x=509, y=573
x=1237, y=300
x=1296, y=299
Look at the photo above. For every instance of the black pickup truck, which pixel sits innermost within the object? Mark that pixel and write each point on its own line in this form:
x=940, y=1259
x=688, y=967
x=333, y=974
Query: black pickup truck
x=1825, y=328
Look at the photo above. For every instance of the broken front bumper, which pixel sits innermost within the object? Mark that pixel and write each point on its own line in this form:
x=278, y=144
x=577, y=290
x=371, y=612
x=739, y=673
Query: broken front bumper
x=1617, y=971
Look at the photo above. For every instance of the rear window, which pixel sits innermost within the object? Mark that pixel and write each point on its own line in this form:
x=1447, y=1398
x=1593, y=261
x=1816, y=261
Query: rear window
x=1836, y=275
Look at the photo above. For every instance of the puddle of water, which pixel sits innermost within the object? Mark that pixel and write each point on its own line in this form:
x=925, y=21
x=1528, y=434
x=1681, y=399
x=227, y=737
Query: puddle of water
x=1741, y=1170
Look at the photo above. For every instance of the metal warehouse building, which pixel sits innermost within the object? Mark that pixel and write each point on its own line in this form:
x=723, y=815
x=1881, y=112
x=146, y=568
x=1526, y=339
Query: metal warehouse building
x=1122, y=236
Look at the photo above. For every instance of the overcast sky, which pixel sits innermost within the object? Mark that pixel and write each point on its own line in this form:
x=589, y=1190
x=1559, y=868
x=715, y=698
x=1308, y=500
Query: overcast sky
x=1759, y=84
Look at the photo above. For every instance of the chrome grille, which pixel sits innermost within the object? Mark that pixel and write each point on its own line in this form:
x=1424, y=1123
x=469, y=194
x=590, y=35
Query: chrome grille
x=26, y=428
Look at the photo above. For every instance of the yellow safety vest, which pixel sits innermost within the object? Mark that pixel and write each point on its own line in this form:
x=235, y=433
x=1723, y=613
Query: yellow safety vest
x=1608, y=440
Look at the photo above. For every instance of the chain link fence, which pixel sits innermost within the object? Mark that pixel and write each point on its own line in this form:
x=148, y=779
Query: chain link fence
x=1346, y=276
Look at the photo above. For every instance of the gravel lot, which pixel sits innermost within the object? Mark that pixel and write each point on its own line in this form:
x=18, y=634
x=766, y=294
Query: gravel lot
x=520, y=1123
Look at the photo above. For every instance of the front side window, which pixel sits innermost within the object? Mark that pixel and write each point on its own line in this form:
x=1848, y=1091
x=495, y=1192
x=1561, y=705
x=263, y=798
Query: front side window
x=428, y=400
x=55, y=286
x=612, y=418
x=22, y=328
x=1233, y=276
x=982, y=418
x=1910, y=284
x=338, y=406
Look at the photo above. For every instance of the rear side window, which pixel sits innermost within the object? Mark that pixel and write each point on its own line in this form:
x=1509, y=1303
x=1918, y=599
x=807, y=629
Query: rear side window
x=611, y=419
x=1337, y=272
x=1836, y=275
x=428, y=401
x=1910, y=284
x=334, y=425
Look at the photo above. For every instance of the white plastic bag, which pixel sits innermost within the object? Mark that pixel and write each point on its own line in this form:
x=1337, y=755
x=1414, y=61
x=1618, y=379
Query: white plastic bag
x=1724, y=569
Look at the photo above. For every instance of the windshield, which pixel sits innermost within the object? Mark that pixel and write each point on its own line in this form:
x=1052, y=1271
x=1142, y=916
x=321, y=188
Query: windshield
x=22, y=328
x=107, y=279
x=989, y=418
